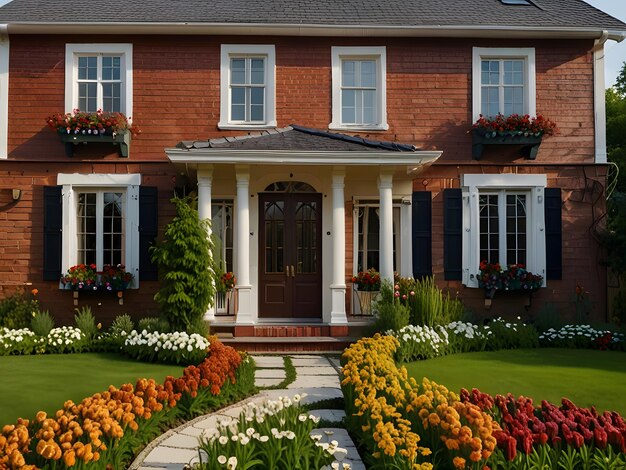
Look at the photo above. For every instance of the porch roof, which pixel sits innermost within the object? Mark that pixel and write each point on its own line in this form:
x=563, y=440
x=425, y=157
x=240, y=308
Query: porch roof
x=298, y=145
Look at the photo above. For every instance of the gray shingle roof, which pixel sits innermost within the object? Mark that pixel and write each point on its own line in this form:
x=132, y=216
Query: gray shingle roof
x=414, y=13
x=297, y=138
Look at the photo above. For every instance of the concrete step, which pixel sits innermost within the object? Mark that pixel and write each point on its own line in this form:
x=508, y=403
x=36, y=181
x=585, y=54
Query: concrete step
x=289, y=344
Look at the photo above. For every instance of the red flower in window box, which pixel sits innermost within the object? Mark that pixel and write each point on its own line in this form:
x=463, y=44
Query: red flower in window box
x=81, y=277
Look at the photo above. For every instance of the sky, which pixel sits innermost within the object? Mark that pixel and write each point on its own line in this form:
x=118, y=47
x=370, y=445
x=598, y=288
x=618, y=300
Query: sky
x=615, y=53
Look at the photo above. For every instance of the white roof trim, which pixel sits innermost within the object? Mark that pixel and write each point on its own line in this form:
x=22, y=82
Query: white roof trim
x=499, y=31
x=300, y=157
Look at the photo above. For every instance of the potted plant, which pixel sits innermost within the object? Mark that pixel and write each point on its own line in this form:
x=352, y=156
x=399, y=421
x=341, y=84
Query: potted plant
x=367, y=284
x=511, y=130
x=225, y=285
x=514, y=278
x=81, y=277
x=115, y=278
x=80, y=127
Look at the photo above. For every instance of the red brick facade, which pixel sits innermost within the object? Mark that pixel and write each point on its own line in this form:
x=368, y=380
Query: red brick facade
x=177, y=97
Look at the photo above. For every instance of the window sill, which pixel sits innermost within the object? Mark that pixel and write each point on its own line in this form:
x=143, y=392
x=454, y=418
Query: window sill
x=343, y=127
x=246, y=126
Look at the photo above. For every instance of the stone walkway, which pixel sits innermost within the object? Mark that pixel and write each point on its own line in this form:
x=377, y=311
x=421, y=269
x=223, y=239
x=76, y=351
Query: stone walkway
x=317, y=376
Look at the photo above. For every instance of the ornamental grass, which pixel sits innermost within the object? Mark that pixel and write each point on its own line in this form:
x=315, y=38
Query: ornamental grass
x=404, y=424
x=108, y=428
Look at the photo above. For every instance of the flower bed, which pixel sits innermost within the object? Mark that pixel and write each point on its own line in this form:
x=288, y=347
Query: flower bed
x=177, y=347
x=403, y=424
x=275, y=434
x=582, y=336
x=107, y=428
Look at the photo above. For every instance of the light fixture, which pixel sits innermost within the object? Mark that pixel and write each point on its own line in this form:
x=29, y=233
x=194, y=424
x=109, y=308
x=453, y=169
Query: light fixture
x=17, y=194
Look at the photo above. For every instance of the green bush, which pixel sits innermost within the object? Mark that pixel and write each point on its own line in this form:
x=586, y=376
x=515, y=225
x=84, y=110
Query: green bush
x=427, y=302
x=86, y=323
x=390, y=313
x=122, y=325
x=17, y=310
x=186, y=267
x=153, y=324
x=548, y=317
x=511, y=335
x=42, y=323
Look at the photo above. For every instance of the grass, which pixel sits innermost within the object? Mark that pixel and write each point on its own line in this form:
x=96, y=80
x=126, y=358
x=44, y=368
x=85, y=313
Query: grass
x=33, y=383
x=586, y=377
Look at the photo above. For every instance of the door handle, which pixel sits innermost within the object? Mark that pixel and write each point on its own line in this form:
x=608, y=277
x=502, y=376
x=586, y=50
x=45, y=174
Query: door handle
x=287, y=270
x=292, y=271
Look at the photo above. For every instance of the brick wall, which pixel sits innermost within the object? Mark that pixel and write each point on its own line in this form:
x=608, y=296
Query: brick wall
x=177, y=92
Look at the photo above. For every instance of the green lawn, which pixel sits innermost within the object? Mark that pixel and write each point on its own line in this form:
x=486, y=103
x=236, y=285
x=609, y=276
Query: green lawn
x=586, y=377
x=32, y=383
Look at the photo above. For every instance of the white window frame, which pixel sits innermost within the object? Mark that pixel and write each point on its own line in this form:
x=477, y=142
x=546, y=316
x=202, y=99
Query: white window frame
x=376, y=53
x=229, y=51
x=534, y=186
x=403, y=253
x=75, y=183
x=4, y=93
x=527, y=54
x=74, y=51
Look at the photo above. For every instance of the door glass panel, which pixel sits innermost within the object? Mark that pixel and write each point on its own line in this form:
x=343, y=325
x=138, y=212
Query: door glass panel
x=274, y=236
x=306, y=243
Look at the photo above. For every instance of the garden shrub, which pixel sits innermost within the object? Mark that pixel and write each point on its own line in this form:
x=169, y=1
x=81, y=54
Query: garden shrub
x=582, y=337
x=427, y=302
x=86, y=322
x=17, y=310
x=105, y=430
x=65, y=339
x=511, y=335
x=153, y=324
x=173, y=348
x=186, y=267
x=122, y=326
x=420, y=342
x=20, y=341
x=390, y=313
x=255, y=439
x=42, y=323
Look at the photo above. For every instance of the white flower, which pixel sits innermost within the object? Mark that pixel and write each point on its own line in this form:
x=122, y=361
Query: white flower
x=232, y=463
x=221, y=459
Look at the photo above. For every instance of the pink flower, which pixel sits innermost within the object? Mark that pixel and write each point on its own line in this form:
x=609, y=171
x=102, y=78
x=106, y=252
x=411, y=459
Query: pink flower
x=396, y=293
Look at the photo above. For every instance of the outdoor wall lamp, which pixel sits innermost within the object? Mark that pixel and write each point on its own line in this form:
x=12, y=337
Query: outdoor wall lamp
x=17, y=194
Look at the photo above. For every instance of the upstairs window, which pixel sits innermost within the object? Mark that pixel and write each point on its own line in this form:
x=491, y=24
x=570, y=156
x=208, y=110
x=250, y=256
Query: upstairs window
x=503, y=81
x=99, y=76
x=247, y=87
x=359, y=88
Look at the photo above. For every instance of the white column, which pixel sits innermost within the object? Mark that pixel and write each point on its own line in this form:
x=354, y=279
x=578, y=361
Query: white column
x=385, y=187
x=338, y=286
x=205, y=183
x=406, y=238
x=599, y=103
x=4, y=92
x=242, y=237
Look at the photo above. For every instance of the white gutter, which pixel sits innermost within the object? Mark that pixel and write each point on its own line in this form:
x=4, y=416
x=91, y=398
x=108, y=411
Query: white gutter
x=349, y=30
x=599, y=103
x=4, y=91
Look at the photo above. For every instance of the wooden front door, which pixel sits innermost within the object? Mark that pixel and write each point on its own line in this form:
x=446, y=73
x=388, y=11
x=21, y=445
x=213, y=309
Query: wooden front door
x=290, y=255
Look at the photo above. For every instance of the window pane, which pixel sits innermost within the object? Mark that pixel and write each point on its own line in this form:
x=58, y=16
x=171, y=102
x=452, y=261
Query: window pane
x=88, y=68
x=87, y=97
x=113, y=233
x=257, y=96
x=368, y=73
x=348, y=73
x=238, y=71
x=238, y=107
x=111, y=68
x=369, y=107
x=348, y=106
x=111, y=100
x=86, y=228
x=257, y=74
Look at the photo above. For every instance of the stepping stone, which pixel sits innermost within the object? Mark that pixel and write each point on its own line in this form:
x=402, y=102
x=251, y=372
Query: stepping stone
x=309, y=362
x=208, y=423
x=335, y=416
x=314, y=381
x=269, y=374
x=181, y=441
x=269, y=361
x=328, y=370
x=313, y=394
x=169, y=455
x=267, y=382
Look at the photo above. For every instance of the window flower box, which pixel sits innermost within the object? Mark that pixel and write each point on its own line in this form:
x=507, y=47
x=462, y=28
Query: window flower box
x=85, y=278
x=517, y=130
x=514, y=278
x=100, y=127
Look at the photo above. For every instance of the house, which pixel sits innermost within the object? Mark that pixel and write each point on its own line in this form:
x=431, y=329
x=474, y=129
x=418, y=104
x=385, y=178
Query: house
x=322, y=138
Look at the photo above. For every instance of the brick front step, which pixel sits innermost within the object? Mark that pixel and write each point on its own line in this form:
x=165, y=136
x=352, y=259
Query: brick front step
x=288, y=344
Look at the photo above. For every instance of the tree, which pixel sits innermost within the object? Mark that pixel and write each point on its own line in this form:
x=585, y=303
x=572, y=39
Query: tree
x=187, y=268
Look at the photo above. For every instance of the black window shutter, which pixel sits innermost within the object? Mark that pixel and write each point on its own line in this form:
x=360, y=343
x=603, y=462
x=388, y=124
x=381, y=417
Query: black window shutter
x=52, y=232
x=148, y=229
x=452, y=234
x=554, y=234
x=422, y=234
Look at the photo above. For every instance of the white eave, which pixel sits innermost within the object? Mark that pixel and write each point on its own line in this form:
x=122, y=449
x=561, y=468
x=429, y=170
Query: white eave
x=413, y=161
x=351, y=30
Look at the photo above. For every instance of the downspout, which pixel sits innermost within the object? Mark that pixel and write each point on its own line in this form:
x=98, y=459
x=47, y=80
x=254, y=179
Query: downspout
x=599, y=104
x=4, y=90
